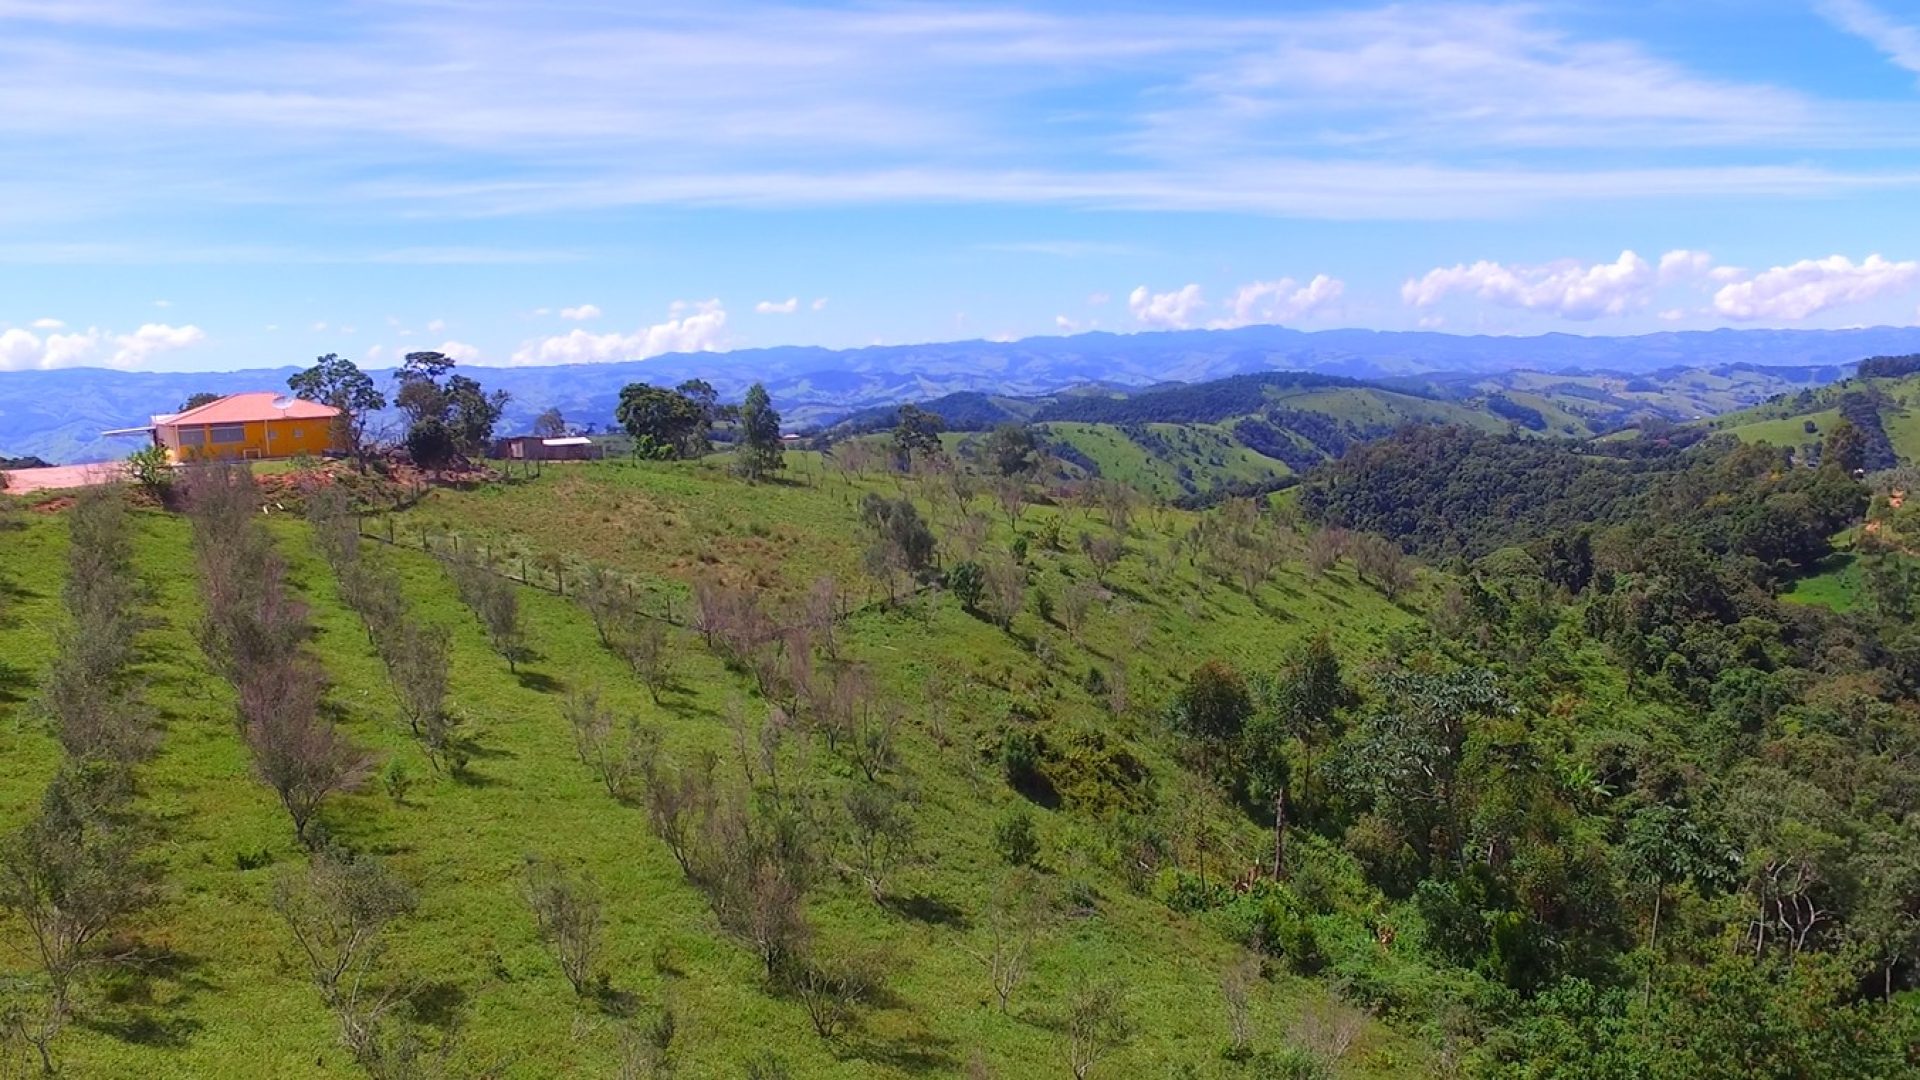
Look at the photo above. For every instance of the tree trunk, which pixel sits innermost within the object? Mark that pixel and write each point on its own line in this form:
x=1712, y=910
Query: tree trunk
x=1653, y=939
x=1279, y=833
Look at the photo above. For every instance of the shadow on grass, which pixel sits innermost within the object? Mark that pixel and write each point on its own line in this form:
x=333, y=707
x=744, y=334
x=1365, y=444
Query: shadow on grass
x=14, y=685
x=918, y=1054
x=615, y=1002
x=144, y=995
x=930, y=909
x=437, y=1004
x=539, y=682
x=470, y=777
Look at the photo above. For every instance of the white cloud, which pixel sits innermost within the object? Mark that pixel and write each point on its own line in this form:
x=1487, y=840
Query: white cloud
x=543, y=311
x=1281, y=301
x=1810, y=286
x=460, y=351
x=49, y=324
x=1097, y=299
x=690, y=327
x=163, y=303
x=1175, y=310
x=1568, y=289
x=820, y=303
x=24, y=350
x=1672, y=315
x=436, y=325
x=375, y=352
x=580, y=313
x=1683, y=265
x=319, y=327
x=19, y=350
x=131, y=350
x=778, y=307
x=1899, y=42
x=1061, y=322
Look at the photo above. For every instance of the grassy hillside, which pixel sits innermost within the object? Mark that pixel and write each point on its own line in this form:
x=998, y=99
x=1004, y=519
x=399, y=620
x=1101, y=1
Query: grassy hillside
x=1186, y=440
x=1168, y=460
x=1784, y=420
x=225, y=995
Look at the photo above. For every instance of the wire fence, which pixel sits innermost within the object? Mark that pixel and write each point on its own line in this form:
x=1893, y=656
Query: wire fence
x=670, y=603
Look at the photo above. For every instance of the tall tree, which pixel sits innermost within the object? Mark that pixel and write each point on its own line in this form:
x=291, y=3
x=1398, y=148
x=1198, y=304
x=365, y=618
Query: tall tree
x=550, y=424
x=472, y=414
x=1303, y=704
x=447, y=418
x=917, y=432
x=1213, y=707
x=761, y=453
x=664, y=423
x=1011, y=449
x=336, y=381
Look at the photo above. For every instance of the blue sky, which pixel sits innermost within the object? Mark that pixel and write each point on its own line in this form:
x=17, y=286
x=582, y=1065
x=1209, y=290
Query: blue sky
x=205, y=184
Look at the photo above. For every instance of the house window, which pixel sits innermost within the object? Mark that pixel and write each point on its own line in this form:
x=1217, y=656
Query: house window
x=237, y=433
x=296, y=433
x=193, y=436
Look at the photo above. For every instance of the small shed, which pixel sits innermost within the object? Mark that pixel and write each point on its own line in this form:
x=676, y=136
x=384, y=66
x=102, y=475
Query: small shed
x=537, y=448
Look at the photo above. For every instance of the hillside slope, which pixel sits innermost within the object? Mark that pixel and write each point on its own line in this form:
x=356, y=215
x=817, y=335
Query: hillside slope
x=229, y=998
x=1887, y=410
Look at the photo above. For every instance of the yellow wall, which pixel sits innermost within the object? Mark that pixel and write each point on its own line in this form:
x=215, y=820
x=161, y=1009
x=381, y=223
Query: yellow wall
x=262, y=439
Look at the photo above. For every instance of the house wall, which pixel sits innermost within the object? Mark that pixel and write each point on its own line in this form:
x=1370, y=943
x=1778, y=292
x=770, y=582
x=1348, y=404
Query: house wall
x=260, y=439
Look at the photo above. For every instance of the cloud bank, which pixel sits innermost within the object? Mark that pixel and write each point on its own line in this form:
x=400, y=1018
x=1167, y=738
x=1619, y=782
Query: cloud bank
x=691, y=326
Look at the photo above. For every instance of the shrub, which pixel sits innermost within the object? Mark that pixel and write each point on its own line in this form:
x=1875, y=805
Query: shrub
x=1016, y=838
x=968, y=584
x=151, y=473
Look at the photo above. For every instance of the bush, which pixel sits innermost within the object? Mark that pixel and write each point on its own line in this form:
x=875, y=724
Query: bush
x=1016, y=838
x=151, y=473
x=968, y=584
x=1288, y=1063
x=1020, y=759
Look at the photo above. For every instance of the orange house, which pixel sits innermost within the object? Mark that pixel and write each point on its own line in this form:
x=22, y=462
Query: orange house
x=247, y=427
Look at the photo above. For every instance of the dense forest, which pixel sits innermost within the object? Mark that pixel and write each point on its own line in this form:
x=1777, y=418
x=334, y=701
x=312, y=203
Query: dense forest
x=1712, y=873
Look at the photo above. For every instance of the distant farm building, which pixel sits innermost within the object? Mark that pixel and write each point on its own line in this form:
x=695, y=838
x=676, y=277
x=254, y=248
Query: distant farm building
x=243, y=427
x=536, y=448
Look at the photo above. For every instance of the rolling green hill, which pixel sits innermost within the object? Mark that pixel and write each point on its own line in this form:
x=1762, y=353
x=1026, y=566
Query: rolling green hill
x=896, y=738
x=1245, y=432
x=1801, y=420
x=230, y=998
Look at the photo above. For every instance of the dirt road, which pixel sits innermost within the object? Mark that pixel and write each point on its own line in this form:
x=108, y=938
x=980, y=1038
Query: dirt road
x=22, y=481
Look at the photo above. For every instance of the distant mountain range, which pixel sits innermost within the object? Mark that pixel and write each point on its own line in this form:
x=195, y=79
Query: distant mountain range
x=59, y=414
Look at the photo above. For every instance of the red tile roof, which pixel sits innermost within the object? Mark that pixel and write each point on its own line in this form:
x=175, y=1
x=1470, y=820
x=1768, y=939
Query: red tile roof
x=252, y=408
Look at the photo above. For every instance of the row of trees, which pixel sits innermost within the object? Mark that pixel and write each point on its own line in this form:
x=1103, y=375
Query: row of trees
x=255, y=633
x=417, y=655
x=75, y=875
x=493, y=599
x=340, y=907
